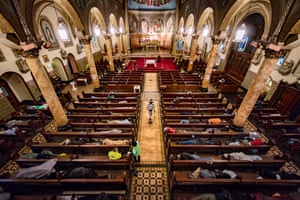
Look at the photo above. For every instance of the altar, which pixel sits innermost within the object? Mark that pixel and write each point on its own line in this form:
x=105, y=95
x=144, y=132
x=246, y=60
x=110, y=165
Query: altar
x=150, y=62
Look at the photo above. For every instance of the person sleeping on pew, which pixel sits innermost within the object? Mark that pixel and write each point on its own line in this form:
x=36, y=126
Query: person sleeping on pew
x=277, y=174
x=190, y=156
x=108, y=141
x=216, y=173
x=196, y=141
x=245, y=141
x=124, y=121
x=240, y=156
x=10, y=131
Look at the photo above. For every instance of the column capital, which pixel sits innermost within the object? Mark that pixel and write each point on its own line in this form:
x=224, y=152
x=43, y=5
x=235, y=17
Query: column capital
x=86, y=39
x=31, y=49
x=216, y=40
x=272, y=50
x=195, y=36
x=107, y=36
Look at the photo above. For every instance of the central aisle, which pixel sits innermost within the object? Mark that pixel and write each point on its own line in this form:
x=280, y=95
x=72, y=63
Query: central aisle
x=150, y=135
x=151, y=181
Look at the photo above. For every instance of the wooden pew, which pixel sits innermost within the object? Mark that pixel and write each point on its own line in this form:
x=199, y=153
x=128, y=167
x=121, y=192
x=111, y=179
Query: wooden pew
x=197, y=125
x=106, y=105
x=191, y=119
x=120, y=110
x=104, y=99
x=193, y=104
x=194, y=110
x=216, y=148
x=185, y=133
x=288, y=133
x=195, y=99
x=180, y=178
x=57, y=147
x=189, y=94
x=98, y=125
x=116, y=180
x=78, y=160
x=116, y=94
x=282, y=124
x=105, y=132
x=263, y=119
x=96, y=117
x=218, y=161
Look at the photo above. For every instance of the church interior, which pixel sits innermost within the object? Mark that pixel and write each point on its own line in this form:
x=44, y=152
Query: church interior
x=149, y=100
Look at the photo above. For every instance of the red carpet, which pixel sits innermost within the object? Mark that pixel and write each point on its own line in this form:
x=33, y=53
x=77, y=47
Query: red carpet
x=146, y=64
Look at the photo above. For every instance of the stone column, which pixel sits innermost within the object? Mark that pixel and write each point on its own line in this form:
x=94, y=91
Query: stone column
x=127, y=33
x=91, y=62
x=109, y=52
x=40, y=74
x=175, y=31
x=193, y=52
x=254, y=91
x=120, y=46
x=174, y=47
x=210, y=64
x=124, y=44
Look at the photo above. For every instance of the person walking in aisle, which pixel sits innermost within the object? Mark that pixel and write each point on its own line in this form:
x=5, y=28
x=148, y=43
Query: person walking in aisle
x=150, y=108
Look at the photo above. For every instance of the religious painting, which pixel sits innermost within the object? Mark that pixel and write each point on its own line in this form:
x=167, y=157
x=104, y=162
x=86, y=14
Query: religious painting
x=151, y=4
x=22, y=65
x=170, y=25
x=158, y=26
x=144, y=26
x=45, y=58
x=132, y=24
x=48, y=33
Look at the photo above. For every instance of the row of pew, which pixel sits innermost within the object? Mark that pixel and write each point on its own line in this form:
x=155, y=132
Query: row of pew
x=97, y=125
x=199, y=137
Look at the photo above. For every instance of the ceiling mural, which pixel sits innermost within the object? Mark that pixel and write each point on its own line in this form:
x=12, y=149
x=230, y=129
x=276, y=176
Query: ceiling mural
x=151, y=4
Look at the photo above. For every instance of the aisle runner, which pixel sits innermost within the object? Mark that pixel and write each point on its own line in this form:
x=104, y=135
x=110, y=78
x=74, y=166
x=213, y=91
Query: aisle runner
x=151, y=182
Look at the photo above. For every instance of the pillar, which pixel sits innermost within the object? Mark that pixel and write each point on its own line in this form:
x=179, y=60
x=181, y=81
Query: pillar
x=193, y=52
x=210, y=64
x=40, y=74
x=91, y=62
x=175, y=34
x=254, y=91
x=124, y=44
x=120, y=46
x=109, y=52
x=174, y=46
x=127, y=34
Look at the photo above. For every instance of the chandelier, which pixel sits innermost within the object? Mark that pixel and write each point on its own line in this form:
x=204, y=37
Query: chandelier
x=152, y=2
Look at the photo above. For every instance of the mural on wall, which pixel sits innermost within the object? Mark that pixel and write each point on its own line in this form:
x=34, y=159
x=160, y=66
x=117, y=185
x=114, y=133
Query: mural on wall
x=132, y=24
x=170, y=25
x=151, y=4
x=158, y=26
x=144, y=28
x=48, y=33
